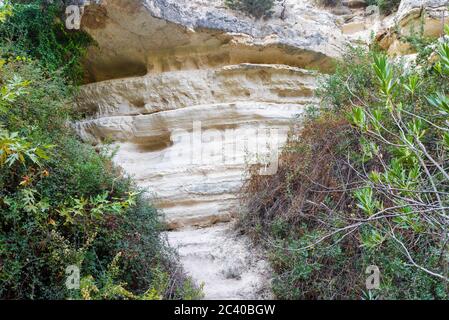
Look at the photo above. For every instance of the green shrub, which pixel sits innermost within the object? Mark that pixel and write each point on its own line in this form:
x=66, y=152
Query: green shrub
x=256, y=8
x=34, y=29
x=63, y=203
x=364, y=182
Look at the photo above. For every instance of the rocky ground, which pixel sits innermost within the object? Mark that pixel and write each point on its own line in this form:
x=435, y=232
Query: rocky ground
x=223, y=261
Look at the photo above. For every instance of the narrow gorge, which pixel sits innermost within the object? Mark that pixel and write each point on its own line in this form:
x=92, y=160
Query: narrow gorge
x=191, y=93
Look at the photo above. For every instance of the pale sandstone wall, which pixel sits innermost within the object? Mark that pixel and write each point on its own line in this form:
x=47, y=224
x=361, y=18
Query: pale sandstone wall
x=161, y=65
x=151, y=119
x=187, y=61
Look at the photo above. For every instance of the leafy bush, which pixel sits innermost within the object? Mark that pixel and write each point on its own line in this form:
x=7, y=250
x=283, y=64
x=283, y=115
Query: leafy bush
x=364, y=182
x=63, y=203
x=256, y=8
x=34, y=29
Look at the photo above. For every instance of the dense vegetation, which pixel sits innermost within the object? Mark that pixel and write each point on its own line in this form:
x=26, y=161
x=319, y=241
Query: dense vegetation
x=364, y=183
x=386, y=6
x=62, y=202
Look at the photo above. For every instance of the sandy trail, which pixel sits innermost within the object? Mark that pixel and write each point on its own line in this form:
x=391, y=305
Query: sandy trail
x=225, y=262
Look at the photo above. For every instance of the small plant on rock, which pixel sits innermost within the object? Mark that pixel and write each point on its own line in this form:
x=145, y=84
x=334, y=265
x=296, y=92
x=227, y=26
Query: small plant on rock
x=255, y=8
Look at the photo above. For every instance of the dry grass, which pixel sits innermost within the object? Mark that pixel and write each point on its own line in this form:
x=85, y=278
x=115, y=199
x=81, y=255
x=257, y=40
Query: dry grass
x=312, y=168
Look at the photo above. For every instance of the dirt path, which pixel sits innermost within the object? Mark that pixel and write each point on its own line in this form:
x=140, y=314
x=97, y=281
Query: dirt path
x=226, y=263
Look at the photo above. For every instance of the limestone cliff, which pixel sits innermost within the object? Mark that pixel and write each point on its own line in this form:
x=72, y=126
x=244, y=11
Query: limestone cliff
x=136, y=37
x=168, y=66
x=161, y=65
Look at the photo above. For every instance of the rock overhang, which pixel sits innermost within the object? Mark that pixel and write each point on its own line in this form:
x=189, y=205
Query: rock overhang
x=133, y=34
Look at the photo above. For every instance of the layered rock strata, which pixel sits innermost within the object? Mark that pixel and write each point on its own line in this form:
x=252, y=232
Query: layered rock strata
x=192, y=93
x=187, y=136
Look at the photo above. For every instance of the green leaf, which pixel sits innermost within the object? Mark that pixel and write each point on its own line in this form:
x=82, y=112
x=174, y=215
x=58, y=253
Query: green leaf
x=358, y=117
x=439, y=101
x=41, y=154
x=446, y=139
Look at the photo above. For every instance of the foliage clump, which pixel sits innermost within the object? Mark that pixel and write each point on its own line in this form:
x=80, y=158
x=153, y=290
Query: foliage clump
x=63, y=204
x=364, y=182
x=255, y=8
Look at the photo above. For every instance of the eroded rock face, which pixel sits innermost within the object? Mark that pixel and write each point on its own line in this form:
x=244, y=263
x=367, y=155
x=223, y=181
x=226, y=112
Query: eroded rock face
x=170, y=67
x=413, y=17
x=227, y=269
x=188, y=135
x=193, y=92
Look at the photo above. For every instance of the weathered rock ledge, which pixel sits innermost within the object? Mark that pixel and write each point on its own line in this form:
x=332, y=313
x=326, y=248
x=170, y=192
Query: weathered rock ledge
x=191, y=93
x=414, y=17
